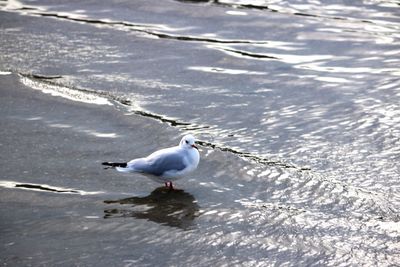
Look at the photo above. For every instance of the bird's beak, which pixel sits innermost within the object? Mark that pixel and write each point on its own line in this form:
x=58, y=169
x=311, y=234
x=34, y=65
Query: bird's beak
x=194, y=146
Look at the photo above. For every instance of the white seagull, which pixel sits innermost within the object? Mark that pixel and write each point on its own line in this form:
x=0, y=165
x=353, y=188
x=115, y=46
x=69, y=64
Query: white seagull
x=165, y=165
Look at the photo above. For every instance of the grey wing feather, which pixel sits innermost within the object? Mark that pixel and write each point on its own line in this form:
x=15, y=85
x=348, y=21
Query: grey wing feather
x=159, y=165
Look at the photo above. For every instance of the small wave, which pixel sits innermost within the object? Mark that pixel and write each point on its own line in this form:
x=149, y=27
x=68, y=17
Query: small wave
x=45, y=188
x=42, y=83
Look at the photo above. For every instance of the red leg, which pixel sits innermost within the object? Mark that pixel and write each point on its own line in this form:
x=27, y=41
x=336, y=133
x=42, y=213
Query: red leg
x=169, y=184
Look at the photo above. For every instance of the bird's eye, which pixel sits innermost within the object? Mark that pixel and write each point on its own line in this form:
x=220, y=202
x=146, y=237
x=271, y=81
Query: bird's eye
x=187, y=142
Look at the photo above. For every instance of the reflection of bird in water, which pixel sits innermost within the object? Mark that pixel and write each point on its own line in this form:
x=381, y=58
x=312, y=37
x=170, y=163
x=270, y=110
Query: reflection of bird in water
x=175, y=208
x=165, y=165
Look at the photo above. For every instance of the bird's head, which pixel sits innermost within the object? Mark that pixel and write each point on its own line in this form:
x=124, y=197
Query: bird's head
x=188, y=142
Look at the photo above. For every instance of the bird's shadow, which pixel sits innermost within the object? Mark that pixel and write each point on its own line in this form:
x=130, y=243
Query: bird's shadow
x=175, y=208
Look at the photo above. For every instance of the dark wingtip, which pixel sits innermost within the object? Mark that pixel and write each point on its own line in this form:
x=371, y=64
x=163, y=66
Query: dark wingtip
x=115, y=164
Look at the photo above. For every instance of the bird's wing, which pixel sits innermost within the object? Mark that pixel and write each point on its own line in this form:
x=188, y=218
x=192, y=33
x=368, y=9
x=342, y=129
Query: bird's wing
x=159, y=163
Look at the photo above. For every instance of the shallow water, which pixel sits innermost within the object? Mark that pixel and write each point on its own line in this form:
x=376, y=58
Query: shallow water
x=295, y=104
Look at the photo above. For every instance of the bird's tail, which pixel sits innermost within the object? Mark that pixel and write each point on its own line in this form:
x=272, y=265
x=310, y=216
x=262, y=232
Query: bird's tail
x=115, y=164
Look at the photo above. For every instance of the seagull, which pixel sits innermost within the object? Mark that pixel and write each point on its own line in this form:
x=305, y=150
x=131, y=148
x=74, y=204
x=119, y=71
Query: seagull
x=165, y=165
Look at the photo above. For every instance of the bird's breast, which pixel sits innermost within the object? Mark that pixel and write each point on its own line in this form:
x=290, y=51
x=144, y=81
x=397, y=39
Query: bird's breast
x=194, y=157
